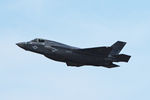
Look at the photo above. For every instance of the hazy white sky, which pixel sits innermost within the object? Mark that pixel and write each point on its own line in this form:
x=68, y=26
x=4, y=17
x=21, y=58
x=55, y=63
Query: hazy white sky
x=87, y=23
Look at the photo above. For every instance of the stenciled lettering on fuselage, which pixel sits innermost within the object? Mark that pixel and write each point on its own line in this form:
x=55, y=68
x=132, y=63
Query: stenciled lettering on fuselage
x=51, y=48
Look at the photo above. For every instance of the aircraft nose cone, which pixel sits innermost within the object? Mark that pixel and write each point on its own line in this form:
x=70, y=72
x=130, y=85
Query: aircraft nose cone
x=21, y=45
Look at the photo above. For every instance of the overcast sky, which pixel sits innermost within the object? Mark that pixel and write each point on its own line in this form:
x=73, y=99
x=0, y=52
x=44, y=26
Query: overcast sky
x=82, y=23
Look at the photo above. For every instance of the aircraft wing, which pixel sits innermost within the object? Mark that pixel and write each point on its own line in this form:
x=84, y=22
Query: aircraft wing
x=99, y=51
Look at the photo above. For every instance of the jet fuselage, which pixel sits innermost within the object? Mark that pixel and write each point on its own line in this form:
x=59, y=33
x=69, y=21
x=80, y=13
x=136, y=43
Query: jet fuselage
x=73, y=56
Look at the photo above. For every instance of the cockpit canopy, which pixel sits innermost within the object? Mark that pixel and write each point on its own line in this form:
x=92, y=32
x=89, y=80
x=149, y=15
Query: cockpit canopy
x=38, y=40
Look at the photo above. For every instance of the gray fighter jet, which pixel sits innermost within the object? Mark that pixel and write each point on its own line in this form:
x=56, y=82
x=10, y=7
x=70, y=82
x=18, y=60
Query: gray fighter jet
x=73, y=56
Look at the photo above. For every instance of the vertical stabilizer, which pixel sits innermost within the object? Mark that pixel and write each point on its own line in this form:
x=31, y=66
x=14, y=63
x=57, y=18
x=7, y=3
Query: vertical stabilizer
x=117, y=47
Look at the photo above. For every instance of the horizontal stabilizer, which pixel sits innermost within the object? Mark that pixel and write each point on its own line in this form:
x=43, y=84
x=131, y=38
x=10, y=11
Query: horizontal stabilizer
x=101, y=51
x=123, y=58
x=112, y=65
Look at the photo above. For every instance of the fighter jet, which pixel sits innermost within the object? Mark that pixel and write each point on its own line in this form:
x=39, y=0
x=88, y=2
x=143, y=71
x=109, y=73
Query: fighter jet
x=77, y=57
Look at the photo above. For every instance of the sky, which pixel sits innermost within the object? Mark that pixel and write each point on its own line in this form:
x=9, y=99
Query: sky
x=81, y=23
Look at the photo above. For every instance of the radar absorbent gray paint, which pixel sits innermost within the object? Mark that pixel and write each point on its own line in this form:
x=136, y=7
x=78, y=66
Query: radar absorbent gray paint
x=73, y=56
